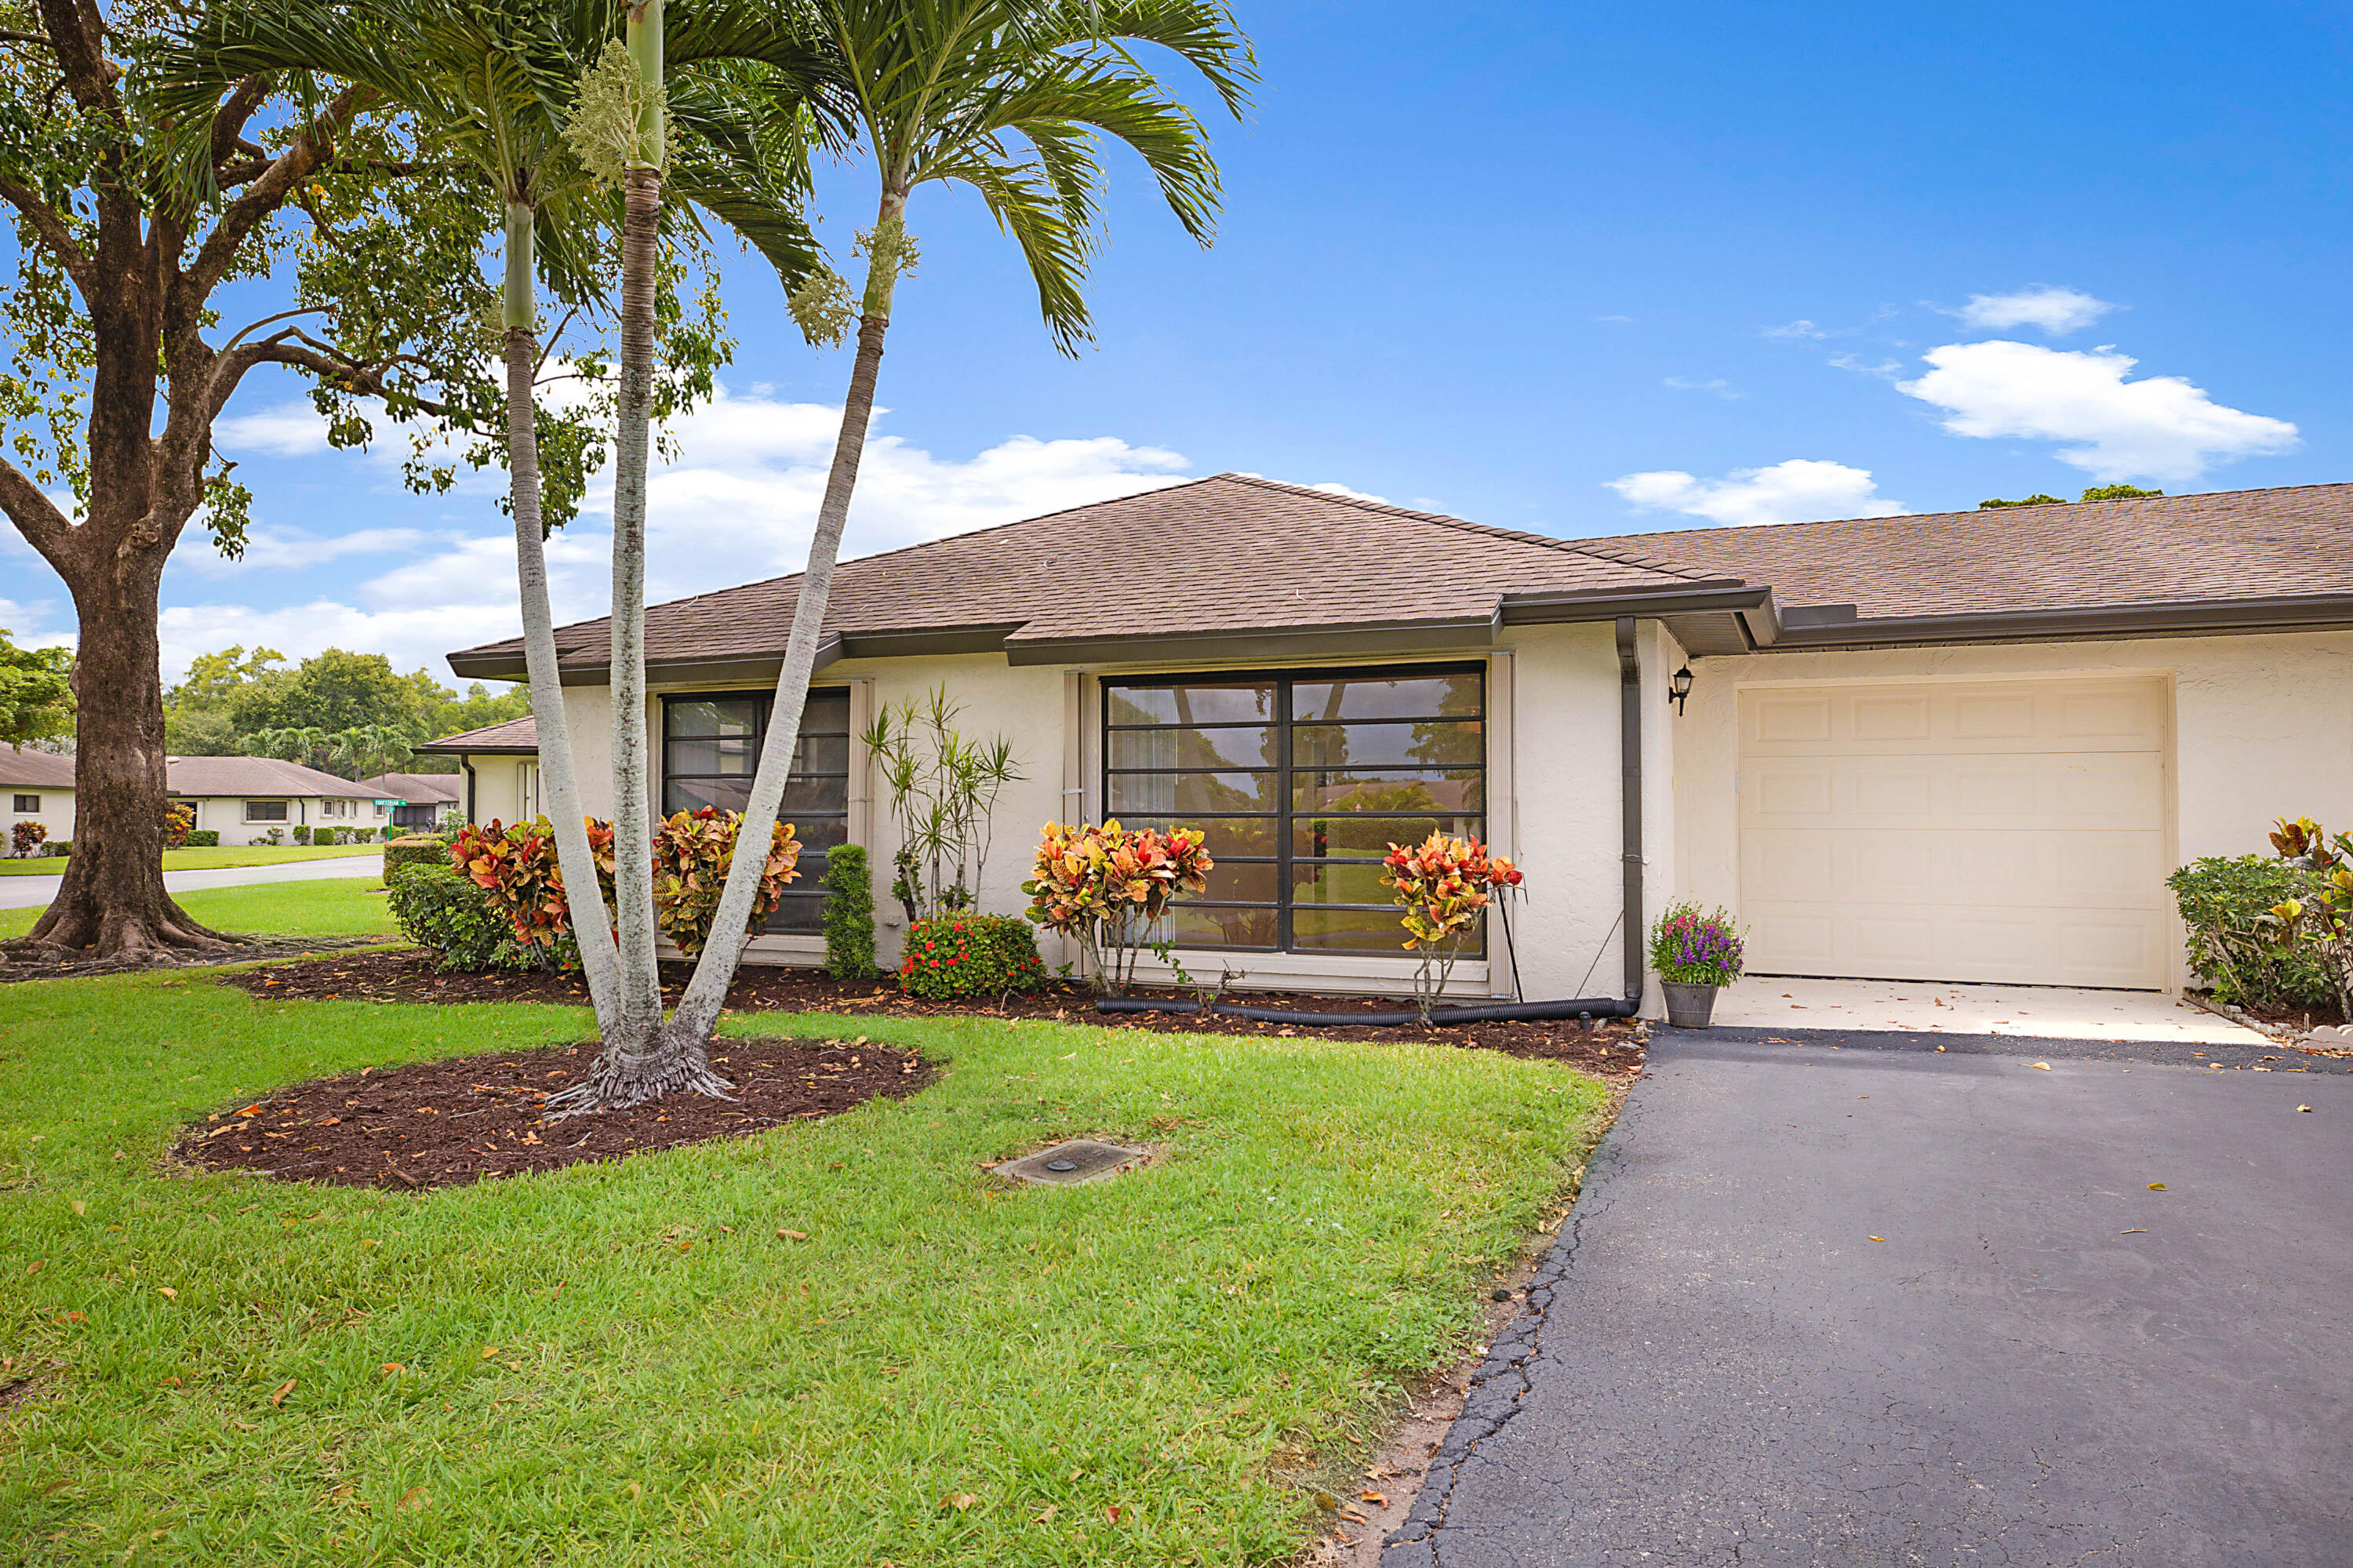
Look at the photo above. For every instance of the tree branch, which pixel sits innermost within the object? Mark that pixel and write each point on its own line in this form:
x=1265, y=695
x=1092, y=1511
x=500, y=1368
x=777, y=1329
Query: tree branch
x=10, y=36
x=269, y=192
x=229, y=120
x=251, y=327
x=51, y=228
x=36, y=517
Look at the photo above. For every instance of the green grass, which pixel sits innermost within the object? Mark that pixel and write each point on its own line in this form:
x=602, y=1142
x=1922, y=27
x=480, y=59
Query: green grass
x=333, y=907
x=673, y=1383
x=203, y=859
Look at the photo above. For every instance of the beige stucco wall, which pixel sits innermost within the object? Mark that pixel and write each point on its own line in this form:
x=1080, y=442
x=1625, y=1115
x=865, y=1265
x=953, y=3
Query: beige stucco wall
x=57, y=813
x=2261, y=727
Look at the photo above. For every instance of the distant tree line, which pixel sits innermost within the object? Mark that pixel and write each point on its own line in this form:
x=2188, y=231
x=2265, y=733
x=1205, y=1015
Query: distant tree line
x=348, y=714
x=2098, y=493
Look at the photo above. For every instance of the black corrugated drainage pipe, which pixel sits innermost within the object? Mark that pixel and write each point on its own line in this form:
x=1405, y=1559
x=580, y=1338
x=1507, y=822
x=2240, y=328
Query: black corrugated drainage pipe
x=1629, y=788
x=1504, y=1011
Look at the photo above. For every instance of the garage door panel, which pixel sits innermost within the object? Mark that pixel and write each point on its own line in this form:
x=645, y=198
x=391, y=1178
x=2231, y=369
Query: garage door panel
x=2001, y=832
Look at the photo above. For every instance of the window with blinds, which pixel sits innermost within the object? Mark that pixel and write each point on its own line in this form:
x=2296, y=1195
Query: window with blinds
x=711, y=747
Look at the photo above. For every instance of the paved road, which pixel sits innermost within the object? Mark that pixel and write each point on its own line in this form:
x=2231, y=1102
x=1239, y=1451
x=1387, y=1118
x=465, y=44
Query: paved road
x=35, y=892
x=2042, y=1361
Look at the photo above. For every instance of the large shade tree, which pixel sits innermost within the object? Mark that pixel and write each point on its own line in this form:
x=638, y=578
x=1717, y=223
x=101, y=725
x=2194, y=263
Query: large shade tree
x=138, y=206
x=1014, y=100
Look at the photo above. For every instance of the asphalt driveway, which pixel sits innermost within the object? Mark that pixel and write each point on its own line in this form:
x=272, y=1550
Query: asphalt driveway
x=1858, y=1305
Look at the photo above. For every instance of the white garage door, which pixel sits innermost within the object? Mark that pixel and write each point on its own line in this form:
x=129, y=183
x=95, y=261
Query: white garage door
x=1964, y=830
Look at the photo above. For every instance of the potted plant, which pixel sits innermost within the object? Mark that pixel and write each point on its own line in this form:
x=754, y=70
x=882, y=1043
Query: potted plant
x=1697, y=953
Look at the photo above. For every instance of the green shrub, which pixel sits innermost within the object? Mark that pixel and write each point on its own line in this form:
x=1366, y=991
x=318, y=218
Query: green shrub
x=58, y=847
x=952, y=956
x=445, y=913
x=205, y=838
x=848, y=914
x=408, y=852
x=302, y=834
x=2233, y=941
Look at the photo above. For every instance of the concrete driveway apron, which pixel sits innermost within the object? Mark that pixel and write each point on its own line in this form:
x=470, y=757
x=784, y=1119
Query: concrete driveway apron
x=1880, y=1304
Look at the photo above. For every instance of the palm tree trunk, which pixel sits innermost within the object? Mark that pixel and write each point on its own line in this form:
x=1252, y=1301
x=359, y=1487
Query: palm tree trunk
x=641, y=1002
x=698, y=1010
x=559, y=786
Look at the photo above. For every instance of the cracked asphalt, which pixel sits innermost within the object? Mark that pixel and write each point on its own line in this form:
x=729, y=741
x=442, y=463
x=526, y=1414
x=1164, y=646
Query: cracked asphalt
x=1849, y=1302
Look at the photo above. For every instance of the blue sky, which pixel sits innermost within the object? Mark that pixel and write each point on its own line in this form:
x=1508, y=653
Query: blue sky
x=1583, y=269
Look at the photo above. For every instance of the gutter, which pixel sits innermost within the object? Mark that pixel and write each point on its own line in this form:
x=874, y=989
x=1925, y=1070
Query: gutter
x=1838, y=626
x=1629, y=807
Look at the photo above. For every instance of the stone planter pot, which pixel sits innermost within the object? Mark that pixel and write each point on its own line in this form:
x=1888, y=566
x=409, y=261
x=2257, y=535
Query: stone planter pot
x=1689, y=1006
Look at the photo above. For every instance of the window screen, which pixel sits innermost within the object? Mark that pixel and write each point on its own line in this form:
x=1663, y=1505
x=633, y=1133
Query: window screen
x=1300, y=781
x=711, y=747
x=265, y=811
x=28, y=802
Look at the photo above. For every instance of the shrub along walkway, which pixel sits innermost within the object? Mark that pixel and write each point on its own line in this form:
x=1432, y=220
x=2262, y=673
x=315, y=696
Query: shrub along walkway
x=1613, y=1048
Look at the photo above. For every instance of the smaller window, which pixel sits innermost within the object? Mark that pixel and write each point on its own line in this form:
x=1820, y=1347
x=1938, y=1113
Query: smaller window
x=381, y=809
x=265, y=811
x=28, y=802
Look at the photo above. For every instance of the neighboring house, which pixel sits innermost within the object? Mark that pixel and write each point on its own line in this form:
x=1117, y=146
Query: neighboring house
x=1967, y=747
x=243, y=798
x=498, y=769
x=423, y=796
x=35, y=787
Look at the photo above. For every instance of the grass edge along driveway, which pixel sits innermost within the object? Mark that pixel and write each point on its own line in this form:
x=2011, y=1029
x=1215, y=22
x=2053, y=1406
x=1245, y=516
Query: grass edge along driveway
x=328, y=906
x=203, y=858
x=627, y=1364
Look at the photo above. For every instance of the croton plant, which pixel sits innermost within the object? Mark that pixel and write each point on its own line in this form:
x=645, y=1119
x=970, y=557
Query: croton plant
x=1110, y=886
x=2323, y=917
x=1444, y=883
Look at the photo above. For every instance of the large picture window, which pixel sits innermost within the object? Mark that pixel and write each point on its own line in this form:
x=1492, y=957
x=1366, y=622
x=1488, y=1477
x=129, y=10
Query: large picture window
x=1300, y=781
x=711, y=746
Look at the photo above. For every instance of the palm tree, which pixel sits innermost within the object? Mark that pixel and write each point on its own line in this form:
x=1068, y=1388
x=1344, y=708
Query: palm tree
x=495, y=82
x=1012, y=100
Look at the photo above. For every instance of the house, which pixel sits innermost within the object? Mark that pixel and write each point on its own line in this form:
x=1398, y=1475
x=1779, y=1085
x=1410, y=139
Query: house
x=500, y=766
x=1967, y=747
x=423, y=796
x=246, y=799
x=35, y=787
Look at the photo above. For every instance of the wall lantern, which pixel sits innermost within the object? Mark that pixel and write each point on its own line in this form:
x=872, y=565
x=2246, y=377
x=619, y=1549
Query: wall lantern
x=1679, y=687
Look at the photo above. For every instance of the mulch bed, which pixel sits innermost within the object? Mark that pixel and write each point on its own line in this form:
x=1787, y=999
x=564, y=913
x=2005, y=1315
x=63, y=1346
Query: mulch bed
x=450, y=1123
x=1613, y=1048
x=23, y=960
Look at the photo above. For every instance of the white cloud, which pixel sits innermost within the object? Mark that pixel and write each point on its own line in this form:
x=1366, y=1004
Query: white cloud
x=736, y=505
x=1719, y=386
x=2053, y=310
x=293, y=547
x=283, y=430
x=1334, y=487
x=1800, y=490
x=1798, y=328
x=2161, y=426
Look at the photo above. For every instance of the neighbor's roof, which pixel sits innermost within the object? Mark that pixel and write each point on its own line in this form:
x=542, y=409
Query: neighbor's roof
x=207, y=776
x=1229, y=555
x=35, y=770
x=1256, y=563
x=415, y=789
x=510, y=735
x=2227, y=544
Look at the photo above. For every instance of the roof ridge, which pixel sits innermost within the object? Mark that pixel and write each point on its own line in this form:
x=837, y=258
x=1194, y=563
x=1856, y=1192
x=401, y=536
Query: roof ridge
x=1443, y=520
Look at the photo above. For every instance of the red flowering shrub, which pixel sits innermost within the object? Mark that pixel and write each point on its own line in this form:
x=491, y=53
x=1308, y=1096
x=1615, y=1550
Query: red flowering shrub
x=27, y=837
x=952, y=956
x=179, y=821
x=1444, y=882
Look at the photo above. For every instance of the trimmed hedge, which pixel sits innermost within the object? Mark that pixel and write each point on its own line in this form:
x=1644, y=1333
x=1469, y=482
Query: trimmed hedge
x=205, y=838
x=303, y=833
x=2226, y=903
x=407, y=852
x=445, y=914
x=848, y=914
x=953, y=956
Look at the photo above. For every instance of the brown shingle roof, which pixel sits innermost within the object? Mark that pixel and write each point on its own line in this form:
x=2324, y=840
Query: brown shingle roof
x=1230, y=554
x=35, y=770
x=2227, y=544
x=415, y=789
x=508, y=735
x=205, y=776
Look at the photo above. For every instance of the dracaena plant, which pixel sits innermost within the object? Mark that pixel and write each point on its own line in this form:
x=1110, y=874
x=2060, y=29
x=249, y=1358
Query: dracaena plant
x=1109, y=888
x=1444, y=883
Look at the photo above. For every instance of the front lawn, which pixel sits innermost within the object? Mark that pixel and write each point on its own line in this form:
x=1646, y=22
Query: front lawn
x=211, y=859
x=839, y=1343
x=333, y=907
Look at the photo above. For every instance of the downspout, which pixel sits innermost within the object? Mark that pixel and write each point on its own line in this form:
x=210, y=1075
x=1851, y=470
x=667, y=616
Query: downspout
x=1630, y=788
x=467, y=764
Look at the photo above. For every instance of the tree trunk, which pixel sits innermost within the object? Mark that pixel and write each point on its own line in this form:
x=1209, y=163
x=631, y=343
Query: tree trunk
x=557, y=782
x=706, y=992
x=112, y=898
